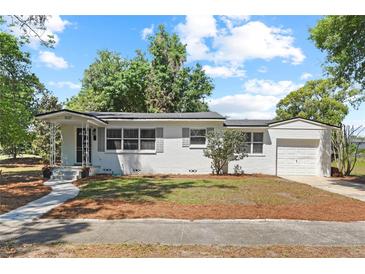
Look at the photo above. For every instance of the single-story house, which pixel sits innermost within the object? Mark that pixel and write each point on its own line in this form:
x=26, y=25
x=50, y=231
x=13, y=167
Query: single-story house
x=173, y=143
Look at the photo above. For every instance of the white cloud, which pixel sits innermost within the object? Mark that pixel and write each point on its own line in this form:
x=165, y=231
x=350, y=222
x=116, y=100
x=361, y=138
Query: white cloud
x=65, y=84
x=147, y=32
x=257, y=101
x=306, y=76
x=237, y=41
x=51, y=60
x=268, y=87
x=245, y=106
x=194, y=32
x=223, y=71
x=54, y=24
x=255, y=40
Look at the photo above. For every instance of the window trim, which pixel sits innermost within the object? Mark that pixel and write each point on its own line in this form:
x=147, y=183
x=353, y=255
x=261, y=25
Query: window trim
x=252, y=142
x=198, y=145
x=122, y=150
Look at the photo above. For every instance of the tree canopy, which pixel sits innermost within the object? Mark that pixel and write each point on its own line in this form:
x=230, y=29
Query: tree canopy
x=320, y=100
x=18, y=90
x=342, y=38
x=161, y=84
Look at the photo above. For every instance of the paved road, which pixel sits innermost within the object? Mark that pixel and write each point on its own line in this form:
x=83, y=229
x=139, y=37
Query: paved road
x=175, y=232
x=61, y=192
x=336, y=185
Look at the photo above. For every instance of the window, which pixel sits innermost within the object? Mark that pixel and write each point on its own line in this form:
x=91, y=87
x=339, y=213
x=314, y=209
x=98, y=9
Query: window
x=148, y=139
x=113, y=139
x=197, y=136
x=258, y=143
x=254, y=142
x=248, y=144
x=130, y=138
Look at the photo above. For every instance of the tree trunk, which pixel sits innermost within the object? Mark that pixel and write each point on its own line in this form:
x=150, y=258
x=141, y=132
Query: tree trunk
x=14, y=152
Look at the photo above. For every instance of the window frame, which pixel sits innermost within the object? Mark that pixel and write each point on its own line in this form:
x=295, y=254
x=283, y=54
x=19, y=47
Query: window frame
x=199, y=136
x=252, y=142
x=122, y=150
x=107, y=138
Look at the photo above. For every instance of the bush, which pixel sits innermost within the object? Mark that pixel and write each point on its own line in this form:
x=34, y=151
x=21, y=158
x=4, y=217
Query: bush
x=223, y=147
x=47, y=172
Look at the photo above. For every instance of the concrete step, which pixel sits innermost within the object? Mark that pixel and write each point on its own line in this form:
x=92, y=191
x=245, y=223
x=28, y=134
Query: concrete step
x=66, y=172
x=64, y=177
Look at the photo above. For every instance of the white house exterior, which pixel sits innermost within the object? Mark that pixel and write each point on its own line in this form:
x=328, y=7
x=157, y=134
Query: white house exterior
x=173, y=143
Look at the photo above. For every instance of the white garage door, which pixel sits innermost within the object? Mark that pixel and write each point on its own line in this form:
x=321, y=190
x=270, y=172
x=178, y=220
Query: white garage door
x=297, y=157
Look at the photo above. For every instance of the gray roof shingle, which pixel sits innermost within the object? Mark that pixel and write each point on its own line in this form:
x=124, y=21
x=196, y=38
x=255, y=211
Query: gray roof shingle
x=177, y=115
x=247, y=123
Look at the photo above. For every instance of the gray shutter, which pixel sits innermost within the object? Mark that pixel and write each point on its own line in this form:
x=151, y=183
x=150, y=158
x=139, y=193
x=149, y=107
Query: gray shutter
x=101, y=139
x=185, y=137
x=159, y=140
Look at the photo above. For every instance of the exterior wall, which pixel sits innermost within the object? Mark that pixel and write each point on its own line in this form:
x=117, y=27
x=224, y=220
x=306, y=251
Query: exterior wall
x=177, y=159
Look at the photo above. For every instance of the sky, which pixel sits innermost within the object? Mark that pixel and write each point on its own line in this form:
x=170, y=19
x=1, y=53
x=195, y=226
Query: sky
x=254, y=61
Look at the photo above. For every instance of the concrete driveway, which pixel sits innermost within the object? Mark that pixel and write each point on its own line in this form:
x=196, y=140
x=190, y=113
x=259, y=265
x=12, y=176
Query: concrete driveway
x=336, y=185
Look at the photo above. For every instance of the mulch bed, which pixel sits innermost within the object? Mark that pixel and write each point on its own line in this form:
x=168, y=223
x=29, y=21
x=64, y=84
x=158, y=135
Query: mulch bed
x=346, y=211
x=16, y=194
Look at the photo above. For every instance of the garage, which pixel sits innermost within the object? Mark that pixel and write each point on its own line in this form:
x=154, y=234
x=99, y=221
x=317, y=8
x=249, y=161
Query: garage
x=297, y=157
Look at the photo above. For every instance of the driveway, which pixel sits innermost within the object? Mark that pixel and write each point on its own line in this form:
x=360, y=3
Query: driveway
x=336, y=185
x=183, y=232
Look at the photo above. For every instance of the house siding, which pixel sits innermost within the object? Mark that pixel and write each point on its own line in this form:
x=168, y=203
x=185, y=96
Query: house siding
x=177, y=159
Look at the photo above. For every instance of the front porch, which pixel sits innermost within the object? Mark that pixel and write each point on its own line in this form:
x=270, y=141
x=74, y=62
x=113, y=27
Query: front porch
x=78, y=133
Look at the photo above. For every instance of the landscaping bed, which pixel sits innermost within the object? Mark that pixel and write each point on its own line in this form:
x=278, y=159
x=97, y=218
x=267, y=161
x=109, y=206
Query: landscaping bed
x=206, y=197
x=21, y=182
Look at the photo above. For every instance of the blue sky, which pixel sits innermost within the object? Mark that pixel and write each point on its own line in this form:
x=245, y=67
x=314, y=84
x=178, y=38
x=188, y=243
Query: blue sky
x=253, y=60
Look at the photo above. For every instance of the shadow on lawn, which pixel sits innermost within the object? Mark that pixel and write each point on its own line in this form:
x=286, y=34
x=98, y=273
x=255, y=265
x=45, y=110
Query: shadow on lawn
x=141, y=190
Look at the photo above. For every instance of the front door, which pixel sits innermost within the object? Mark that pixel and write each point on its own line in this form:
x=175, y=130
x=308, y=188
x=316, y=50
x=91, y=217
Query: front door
x=79, y=145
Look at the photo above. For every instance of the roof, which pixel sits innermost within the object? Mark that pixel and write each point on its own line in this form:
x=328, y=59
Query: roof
x=175, y=115
x=247, y=123
x=50, y=113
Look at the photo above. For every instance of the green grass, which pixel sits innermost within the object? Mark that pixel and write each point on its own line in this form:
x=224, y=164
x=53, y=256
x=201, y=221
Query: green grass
x=248, y=190
x=359, y=169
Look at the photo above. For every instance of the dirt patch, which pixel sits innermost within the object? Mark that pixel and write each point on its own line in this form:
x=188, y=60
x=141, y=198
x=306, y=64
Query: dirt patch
x=347, y=210
x=184, y=251
x=15, y=193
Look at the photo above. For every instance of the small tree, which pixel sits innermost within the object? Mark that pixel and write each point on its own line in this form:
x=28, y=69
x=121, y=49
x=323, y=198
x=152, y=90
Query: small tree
x=345, y=151
x=223, y=147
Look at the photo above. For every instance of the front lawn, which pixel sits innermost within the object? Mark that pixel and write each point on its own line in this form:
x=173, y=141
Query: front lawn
x=20, y=183
x=206, y=197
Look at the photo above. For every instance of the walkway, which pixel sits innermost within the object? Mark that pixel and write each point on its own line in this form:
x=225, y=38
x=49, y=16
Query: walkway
x=61, y=192
x=336, y=185
x=177, y=232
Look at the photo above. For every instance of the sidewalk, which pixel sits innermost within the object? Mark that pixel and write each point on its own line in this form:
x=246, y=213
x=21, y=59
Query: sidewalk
x=182, y=232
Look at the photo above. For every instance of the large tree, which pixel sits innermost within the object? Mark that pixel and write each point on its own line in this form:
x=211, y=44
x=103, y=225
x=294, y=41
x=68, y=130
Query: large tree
x=18, y=90
x=322, y=100
x=172, y=86
x=112, y=83
x=160, y=83
x=342, y=38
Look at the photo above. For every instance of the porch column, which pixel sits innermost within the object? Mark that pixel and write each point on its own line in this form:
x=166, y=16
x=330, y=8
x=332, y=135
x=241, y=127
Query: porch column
x=52, y=156
x=85, y=145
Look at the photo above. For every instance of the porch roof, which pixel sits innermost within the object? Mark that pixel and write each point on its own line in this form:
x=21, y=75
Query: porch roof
x=66, y=116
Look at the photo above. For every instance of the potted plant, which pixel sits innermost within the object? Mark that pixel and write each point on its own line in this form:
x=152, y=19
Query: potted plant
x=47, y=171
x=85, y=171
